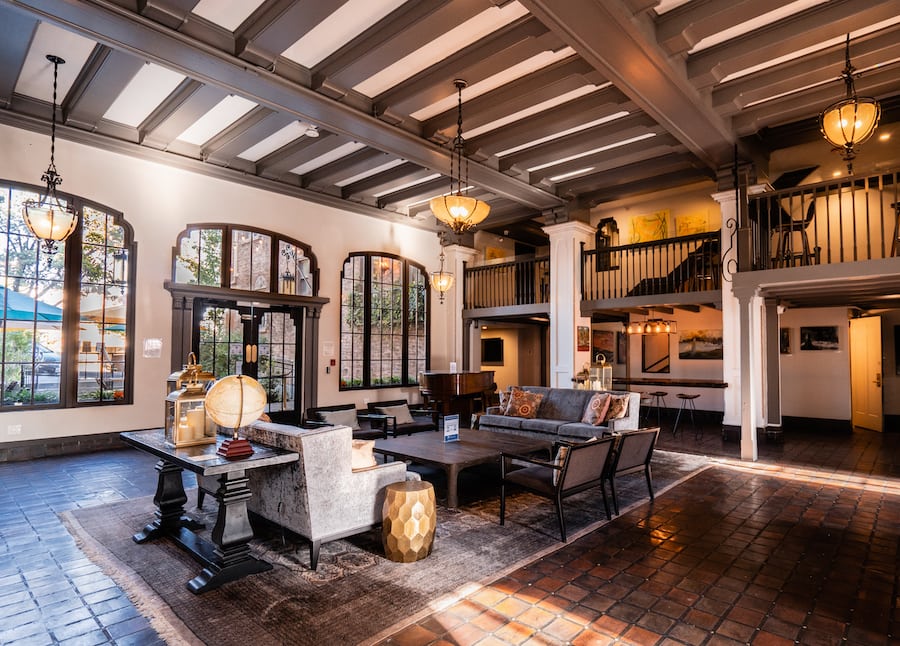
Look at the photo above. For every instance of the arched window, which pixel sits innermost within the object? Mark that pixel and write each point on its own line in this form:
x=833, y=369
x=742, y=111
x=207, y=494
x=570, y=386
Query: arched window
x=245, y=302
x=67, y=337
x=384, y=321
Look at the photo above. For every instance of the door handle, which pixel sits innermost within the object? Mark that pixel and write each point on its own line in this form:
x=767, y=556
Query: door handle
x=877, y=381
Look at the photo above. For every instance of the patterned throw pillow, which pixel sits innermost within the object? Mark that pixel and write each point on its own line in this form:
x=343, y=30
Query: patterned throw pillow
x=561, y=453
x=595, y=411
x=524, y=404
x=618, y=407
x=504, y=400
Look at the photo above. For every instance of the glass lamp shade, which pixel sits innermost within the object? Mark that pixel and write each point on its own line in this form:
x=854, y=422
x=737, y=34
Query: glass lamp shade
x=235, y=401
x=459, y=212
x=850, y=122
x=442, y=281
x=48, y=221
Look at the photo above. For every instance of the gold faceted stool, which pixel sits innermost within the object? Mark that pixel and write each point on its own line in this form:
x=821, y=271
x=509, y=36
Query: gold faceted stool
x=409, y=520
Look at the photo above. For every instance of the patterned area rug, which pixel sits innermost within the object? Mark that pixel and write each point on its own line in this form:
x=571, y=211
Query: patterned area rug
x=356, y=595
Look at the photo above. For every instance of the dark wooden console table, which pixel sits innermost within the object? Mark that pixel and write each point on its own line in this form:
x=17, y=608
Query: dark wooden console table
x=228, y=556
x=664, y=381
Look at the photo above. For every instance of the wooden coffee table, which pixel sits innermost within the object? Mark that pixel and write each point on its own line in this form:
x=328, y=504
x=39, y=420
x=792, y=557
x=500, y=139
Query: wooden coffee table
x=474, y=447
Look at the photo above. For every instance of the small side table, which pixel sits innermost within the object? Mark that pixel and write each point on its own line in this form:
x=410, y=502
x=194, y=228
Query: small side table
x=409, y=520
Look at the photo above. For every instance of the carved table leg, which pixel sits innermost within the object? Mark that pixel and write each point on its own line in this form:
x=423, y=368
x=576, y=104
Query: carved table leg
x=169, y=501
x=231, y=535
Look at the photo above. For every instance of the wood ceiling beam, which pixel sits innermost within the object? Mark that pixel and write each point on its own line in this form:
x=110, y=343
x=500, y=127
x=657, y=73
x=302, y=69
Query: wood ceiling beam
x=491, y=55
x=16, y=31
x=609, y=38
x=278, y=25
x=120, y=29
x=352, y=164
x=806, y=29
x=405, y=30
x=171, y=13
x=594, y=106
x=174, y=118
x=822, y=67
x=580, y=142
x=265, y=123
x=680, y=29
x=547, y=83
x=282, y=161
x=98, y=85
x=388, y=180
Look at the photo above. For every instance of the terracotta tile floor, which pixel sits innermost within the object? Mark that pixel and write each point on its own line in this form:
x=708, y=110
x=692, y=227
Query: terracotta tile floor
x=802, y=547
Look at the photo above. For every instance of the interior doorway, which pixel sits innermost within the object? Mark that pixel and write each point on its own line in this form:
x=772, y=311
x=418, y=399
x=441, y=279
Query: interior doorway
x=866, y=385
x=257, y=341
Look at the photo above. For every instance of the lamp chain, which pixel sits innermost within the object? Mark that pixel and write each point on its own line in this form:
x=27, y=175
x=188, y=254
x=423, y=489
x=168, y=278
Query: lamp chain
x=51, y=176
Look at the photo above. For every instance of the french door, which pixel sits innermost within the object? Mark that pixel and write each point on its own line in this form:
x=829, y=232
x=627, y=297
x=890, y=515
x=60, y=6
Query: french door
x=260, y=342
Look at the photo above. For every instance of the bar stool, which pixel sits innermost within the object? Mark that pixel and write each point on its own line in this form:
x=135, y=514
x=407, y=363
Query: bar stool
x=687, y=402
x=659, y=402
x=645, y=407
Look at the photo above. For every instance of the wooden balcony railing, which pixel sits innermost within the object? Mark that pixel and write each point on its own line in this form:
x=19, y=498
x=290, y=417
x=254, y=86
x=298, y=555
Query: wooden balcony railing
x=524, y=281
x=843, y=220
x=683, y=264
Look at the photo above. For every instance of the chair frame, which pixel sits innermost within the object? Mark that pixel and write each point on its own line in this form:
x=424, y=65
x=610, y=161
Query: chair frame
x=391, y=426
x=378, y=424
x=560, y=491
x=643, y=466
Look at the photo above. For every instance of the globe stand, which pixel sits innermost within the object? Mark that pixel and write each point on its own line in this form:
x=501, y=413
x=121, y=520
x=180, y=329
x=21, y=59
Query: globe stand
x=235, y=448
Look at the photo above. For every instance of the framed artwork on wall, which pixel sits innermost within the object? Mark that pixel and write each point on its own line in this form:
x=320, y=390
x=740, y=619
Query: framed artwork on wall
x=492, y=352
x=654, y=226
x=700, y=344
x=583, y=338
x=823, y=337
x=602, y=343
x=784, y=340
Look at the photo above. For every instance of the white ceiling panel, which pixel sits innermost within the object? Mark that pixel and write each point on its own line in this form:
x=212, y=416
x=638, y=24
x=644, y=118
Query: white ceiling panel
x=36, y=78
x=222, y=115
x=149, y=87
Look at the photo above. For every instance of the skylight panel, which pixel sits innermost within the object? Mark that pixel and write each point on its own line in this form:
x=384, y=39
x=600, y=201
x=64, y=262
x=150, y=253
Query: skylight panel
x=594, y=151
x=535, y=109
x=500, y=79
x=36, y=77
x=222, y=115
x=273, y=142
x=146, y=90
x=571, y=174
x=338, y=29
x=229, y=14
x=458, y=38
x=327, y=158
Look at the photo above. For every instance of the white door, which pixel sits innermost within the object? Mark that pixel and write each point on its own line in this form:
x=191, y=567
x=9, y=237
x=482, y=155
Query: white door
x=865, y=372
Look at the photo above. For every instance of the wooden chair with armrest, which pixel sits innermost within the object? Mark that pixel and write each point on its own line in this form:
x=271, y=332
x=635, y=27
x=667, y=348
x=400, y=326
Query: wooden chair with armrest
x=632, y=454
x=583, y=467
x=399, y=423
x=365, y=424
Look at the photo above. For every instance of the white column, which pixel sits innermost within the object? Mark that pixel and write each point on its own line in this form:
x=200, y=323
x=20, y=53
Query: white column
x=565, y=300
x=454, y=300
x=731, y=330
x=751, y=378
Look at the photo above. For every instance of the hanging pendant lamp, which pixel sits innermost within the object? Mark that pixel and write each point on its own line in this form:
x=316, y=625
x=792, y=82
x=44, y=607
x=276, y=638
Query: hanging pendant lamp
x=49, y=219
x=852, y=120
x=456, y=209
x=442, y=280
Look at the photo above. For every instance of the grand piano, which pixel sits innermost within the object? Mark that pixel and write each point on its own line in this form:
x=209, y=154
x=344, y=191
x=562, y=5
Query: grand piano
x=458, y=392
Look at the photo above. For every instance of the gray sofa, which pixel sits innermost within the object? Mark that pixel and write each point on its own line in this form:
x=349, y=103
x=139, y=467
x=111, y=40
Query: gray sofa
x=559, y=416
x=318, y=497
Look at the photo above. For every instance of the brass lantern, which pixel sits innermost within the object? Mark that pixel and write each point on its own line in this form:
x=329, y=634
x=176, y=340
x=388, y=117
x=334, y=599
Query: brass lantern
x=190, y=372
x=187, y=421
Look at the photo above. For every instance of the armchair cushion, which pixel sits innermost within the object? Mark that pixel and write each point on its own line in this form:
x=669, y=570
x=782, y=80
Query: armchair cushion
x=400, y=413
x=362, y=456
x=346, y=417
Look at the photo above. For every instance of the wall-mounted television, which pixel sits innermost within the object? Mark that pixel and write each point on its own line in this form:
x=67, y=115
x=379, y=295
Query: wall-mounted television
x=492, y=352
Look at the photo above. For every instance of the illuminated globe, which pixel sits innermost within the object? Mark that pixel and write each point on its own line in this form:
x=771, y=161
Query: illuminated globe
x=235, y=401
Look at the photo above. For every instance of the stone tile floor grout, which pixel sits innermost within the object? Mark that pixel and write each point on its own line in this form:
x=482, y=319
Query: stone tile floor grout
x=800, y=547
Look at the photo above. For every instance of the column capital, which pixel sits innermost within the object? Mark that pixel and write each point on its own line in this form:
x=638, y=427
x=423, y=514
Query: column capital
x=573, y=228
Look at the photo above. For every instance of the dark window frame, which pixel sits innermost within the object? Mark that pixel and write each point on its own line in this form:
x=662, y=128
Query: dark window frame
x=70, y=326
x=367, y=382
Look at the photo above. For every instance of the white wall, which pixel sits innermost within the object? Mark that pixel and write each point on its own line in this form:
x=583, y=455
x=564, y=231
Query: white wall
x=159, y=201
x=816, y=383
